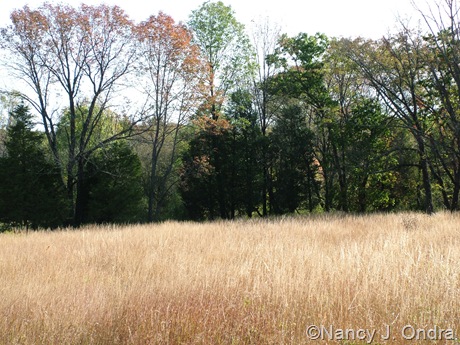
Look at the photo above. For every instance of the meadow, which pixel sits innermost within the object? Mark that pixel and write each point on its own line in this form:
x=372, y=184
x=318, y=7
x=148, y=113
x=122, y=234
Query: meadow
x=288, y=280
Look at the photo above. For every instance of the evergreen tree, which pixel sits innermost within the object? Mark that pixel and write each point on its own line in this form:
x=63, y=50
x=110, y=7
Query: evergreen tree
x=31, y=193
x=231, y=143
x=113, y=187
x=293, y=166
x=245, y=156
x=204, y=188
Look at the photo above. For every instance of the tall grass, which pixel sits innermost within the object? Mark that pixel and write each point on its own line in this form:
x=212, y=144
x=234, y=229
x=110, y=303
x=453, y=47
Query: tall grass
x=240, y=282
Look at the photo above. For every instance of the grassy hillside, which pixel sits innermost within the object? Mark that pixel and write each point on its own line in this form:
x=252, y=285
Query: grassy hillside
x=242, y=282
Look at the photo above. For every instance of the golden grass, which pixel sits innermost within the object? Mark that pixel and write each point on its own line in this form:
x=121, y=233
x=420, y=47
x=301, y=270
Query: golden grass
x=241, y=282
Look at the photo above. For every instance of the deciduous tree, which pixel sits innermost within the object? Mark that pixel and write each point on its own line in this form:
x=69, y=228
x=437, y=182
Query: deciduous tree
x=227, y=53
x=395, y=67
x=442, y=100
x=68, y=57
x=225, y=48
x=169, y=74
x=265, y=37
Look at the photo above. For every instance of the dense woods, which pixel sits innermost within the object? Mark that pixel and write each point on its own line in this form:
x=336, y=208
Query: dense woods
x=109, y=120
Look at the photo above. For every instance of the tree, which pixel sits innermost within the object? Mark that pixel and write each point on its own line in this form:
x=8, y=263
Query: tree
x=369, y=159
x=225, y=48
x=395, y=67
x=237, y=138
x=112, y=189
x=358, y=133
x=442, y=98
x=228, y=56
x=244, y=157
x=204, y=188
x=68, y=58
x=302, y=77
x=292, y=161
x=169, y=74
x=265, y=40
x=31, y=192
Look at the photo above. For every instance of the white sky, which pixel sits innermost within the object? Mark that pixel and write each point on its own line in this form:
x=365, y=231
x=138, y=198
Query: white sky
x=347, y=18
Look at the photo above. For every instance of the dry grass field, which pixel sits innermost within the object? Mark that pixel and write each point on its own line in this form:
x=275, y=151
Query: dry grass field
x=241, y=282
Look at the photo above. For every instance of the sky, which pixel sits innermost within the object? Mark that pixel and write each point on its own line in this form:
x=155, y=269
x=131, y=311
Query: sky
x=335, y=18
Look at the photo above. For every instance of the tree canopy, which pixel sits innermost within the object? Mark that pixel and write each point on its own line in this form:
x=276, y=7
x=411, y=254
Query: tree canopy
x=118, y=121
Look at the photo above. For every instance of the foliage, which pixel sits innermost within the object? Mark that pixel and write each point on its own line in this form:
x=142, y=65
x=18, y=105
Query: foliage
x=202, y=185
x=159, y=120
x=301, y=59
x=291, y=149
x=113, y=187
x=226, y=49
x=31, y=192
x=245, y=154
x=222, y=175
x=368, y=138
x=83, y=53
x=169, y=72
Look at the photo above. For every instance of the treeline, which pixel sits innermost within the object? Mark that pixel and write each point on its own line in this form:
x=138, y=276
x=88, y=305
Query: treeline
x=117, y=121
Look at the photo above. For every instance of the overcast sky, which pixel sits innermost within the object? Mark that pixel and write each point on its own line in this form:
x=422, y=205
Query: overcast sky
x=347, y=18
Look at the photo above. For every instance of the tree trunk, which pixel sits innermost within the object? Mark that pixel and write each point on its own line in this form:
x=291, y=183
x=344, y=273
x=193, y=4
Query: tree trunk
x=80, y=201
x=445, y=196
x=425, y=176
x=455, y=194
x=152, y=186
x=362, y=202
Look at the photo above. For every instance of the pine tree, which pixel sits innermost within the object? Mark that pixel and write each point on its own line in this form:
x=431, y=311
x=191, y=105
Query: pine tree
x=31, y=192
x=113, y=187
